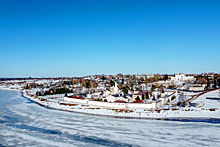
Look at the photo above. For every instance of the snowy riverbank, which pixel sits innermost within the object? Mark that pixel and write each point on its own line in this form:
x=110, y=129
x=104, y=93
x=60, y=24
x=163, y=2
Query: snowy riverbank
x=56, y=102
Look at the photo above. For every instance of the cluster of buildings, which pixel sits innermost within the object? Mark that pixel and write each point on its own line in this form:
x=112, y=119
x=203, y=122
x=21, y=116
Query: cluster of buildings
x=127, y=91
x=144, y=92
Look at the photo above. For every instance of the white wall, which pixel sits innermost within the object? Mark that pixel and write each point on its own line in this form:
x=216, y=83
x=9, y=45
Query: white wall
x=112, y=105
x=106, y=104
x=146, y=106
x=84, y=101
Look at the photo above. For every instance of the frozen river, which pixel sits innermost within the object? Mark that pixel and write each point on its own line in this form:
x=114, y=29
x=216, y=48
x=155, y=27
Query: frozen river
x=24, y=123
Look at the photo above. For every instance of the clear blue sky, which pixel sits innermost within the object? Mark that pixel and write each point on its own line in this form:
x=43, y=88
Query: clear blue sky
x=84, y=37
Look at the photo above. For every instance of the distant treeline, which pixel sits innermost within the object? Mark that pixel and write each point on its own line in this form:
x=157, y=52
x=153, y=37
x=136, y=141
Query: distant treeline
x=56, y=91
x=6, y=79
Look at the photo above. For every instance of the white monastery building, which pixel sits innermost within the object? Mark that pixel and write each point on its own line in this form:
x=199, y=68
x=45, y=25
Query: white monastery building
x=182, y=78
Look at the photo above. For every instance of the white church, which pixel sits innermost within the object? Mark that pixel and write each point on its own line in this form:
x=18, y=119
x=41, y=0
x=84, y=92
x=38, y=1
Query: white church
x=117, y=96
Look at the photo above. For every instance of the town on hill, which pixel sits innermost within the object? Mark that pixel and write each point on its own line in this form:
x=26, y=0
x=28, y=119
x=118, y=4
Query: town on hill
x=123, y=93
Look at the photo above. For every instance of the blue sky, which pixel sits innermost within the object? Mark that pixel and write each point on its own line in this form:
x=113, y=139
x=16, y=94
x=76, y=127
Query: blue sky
x=77, y=38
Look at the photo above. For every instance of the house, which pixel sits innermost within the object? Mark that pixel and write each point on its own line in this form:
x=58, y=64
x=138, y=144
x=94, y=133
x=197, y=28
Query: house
x=94, y=95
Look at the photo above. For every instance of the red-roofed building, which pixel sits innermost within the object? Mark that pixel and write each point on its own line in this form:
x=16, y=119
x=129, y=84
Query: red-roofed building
x=76, y=97
x=138, y=101
x=119, y=101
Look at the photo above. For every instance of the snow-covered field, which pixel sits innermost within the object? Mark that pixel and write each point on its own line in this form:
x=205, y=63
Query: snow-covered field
x=208, y=103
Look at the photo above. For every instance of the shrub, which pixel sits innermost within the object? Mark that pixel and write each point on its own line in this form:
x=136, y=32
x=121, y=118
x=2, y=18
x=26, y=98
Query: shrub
x=38, y=93
x=142, y=97
x=137, y=98
x=153, y=87
x=173, y=97
x=27, y=87
x=147, y=96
